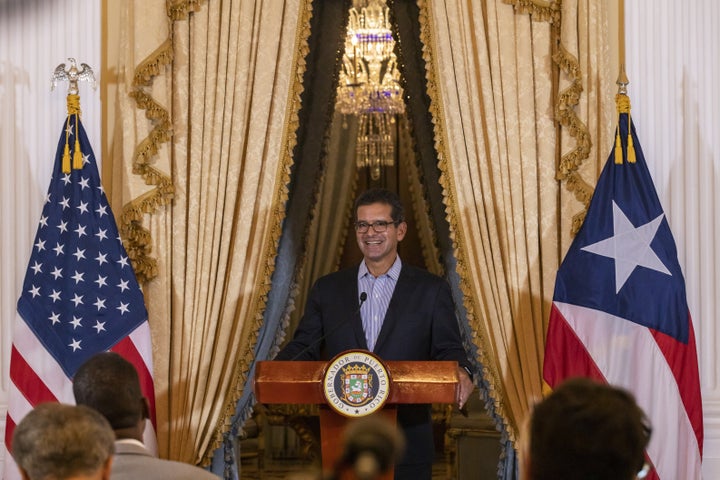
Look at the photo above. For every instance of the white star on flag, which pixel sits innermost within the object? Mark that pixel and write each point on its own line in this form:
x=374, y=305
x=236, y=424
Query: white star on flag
x=629, y=247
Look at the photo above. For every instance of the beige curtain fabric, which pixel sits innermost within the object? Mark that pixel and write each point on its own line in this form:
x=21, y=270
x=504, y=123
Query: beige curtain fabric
x=141, y=166
x=496, y=89
x=233, y=79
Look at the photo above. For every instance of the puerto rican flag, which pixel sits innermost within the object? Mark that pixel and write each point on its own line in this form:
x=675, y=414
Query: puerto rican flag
x=620, y=313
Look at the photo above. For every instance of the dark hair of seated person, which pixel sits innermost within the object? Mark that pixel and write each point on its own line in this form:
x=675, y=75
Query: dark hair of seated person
x=110, y=384
x=587, y=430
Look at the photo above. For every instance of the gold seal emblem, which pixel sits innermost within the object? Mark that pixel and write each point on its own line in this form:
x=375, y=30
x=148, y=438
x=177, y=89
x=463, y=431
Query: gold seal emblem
x=356, y=383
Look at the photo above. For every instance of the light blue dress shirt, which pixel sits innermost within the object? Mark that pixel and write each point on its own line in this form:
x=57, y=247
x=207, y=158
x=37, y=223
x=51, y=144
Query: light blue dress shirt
x=379, y=292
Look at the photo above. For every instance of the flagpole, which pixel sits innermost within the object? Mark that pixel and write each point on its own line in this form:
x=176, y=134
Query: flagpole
x=622, y=80
x=622, y=101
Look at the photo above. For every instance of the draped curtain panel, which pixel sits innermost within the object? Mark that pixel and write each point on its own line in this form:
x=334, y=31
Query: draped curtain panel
x=511, y=87
x=420, y=205
x=215, y=87
x=322, y=182
x=330, y=222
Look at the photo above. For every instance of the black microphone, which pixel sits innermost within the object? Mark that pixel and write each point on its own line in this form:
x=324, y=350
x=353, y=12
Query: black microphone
x=363, y=297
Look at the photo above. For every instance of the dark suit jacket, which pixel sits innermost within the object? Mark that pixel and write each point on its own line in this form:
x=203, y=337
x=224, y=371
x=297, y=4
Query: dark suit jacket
x=420, y=324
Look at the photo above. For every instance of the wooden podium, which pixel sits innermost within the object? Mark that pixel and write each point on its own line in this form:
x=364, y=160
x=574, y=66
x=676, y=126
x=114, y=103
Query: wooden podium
x=301, y=382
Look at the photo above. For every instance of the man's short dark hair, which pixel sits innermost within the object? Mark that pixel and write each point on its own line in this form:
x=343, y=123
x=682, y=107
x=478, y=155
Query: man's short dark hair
x=381, y=195
x=62, y=441
x=110, y=384
x=587, y=430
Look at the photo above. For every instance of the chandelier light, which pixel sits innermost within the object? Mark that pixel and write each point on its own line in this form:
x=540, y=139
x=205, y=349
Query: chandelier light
x=369, y=83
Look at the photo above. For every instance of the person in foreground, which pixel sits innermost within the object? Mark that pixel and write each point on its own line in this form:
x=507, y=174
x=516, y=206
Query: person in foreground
x=370, y=447
x=586, y=430
x=63, y=442
x=109, y=384
x=394, y=310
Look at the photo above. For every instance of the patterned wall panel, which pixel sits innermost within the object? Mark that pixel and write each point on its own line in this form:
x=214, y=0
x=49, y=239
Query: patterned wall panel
x=673, y=63
x=35, y=37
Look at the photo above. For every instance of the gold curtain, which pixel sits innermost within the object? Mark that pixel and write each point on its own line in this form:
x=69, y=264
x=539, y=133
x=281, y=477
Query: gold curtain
x=224, y=79
x=141, y=181
x=518, y=91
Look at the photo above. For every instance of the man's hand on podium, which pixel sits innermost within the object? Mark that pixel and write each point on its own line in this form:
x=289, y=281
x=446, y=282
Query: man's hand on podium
x=465, y=387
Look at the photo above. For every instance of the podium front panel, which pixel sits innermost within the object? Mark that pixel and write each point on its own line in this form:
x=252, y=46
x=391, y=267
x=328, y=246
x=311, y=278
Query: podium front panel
x=423, y=382
x=300, y=382
x=290, y=382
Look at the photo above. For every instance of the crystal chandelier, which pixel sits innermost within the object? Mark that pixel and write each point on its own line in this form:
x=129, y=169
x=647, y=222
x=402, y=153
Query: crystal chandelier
x=369, y=83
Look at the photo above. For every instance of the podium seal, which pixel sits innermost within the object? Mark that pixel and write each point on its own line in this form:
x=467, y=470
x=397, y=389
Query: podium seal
x=356, y=383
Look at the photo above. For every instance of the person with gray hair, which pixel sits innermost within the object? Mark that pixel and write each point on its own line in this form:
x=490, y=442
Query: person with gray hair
x=63, y=442
x=110, y=384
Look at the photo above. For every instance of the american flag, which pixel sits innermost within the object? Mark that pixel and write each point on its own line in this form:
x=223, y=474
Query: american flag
x=620, y=313
x=80, y=295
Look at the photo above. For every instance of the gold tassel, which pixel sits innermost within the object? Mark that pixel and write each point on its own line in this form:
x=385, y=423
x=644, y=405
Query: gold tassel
x=66, y=157
x=73, y=107
x=622, y=104
x=73, y=104
x=77, y=153
x=66, y=150
x=631, y=145
x=77, y=156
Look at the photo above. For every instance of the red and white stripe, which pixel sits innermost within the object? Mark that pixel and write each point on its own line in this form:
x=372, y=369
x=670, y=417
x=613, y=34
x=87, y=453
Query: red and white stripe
x=35, y=377
x=659, y=371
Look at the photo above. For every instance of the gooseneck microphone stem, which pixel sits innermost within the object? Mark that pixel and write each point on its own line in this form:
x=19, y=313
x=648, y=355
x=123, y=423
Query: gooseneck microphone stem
x=363, y=297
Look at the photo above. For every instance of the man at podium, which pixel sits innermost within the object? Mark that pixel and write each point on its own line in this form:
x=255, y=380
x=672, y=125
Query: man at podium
x=394, y=310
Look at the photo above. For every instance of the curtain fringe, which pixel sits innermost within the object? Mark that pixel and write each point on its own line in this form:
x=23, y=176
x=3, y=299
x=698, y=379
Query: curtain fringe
x=540, y=10
x=137, y=238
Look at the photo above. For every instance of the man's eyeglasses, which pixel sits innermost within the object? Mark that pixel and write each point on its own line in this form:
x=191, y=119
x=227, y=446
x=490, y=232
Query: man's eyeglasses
x=379, y=226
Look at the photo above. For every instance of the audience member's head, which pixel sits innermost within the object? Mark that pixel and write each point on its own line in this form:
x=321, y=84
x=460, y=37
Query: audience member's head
x=63, y=442
x=586, y=430
x=371, y=445
x=109, y=384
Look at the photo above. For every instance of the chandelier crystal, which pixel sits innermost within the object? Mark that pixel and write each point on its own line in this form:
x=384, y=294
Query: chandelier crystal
x=369, y=84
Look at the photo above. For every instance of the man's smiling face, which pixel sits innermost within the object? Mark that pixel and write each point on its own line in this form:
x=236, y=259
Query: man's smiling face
x=379, y=248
